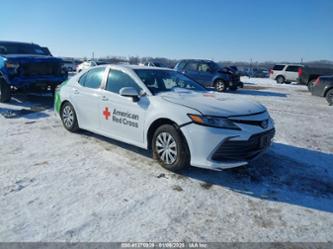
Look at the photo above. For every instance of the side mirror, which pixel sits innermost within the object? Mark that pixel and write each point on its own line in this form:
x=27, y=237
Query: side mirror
x=130, y=92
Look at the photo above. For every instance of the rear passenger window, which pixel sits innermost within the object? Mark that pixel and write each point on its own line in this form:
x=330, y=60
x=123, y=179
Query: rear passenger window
x=92, y=78
x=292, y=68
x=278, y=67
x=118, y=79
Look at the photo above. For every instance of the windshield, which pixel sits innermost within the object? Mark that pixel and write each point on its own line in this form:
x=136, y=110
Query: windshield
x=166, y=80
x=21, y=48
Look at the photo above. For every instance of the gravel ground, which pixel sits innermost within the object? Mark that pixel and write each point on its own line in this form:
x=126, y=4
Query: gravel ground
x=58, y=186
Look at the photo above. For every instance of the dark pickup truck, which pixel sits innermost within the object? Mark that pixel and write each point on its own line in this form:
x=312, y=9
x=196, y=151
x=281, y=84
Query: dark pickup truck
x=28, y=66
x=308, y=74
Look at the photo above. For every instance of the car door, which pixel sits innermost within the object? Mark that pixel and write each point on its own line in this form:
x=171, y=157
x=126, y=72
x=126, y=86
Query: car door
x=205, y=74
x=122, y=118
x=291, y=73
x=191, y=70
x=86, y=97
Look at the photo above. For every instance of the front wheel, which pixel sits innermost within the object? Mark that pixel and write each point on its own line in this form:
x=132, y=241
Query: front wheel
x=4, y=91
x=220, y=86
x=68, y=117
x=329, y=97
x=170, y=148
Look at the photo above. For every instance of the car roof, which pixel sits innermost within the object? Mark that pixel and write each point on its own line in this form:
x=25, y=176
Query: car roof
x=16, y=42
x=196, y=60
x=289, y=64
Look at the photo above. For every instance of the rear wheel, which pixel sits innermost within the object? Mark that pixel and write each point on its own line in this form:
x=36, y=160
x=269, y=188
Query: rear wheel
x=280, y=79
x=68, y=117
x=329, y=97
x=4, y=91
x=220, y=86
x=311, y=84
x=170, y=148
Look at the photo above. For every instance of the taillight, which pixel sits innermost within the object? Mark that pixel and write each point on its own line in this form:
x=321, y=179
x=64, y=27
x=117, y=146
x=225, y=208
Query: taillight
x=317, y=82
x=270, y=71
x=300, y=71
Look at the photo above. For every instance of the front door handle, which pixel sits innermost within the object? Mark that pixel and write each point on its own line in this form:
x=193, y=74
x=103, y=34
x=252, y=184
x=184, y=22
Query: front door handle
x=76, y=91
x=104, y=98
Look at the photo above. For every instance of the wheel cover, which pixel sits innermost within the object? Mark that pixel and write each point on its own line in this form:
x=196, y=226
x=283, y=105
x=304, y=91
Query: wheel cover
x=330, y=97
x=68, y=116
x=220, y=86
x=166, y=147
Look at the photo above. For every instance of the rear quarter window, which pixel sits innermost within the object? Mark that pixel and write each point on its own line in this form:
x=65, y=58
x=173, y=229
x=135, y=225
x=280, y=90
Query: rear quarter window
x=92, y=78
x=278, y=67
x=292, y=68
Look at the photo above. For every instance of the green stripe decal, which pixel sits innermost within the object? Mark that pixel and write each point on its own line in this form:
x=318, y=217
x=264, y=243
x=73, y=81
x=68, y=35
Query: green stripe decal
x=57, y=102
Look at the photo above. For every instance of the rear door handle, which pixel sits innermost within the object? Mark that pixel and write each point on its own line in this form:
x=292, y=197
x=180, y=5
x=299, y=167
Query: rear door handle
x=104, y=98
x=76, y=91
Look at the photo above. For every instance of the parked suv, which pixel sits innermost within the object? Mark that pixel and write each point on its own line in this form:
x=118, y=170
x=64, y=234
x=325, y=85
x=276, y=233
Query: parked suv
x=27, y=65
x=210, y=74
x=310, y=74
x=323, y=87
x=285, y=73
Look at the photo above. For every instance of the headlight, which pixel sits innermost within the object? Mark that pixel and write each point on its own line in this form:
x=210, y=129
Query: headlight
x=212, y=121
x=12, y=67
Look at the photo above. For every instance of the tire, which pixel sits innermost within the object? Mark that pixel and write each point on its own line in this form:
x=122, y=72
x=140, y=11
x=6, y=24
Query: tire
x=68, y=117
x=329, y=97
x=280, y=79
x=311, y=84
x=4, y=92
x=170, y=148
x=220, y=86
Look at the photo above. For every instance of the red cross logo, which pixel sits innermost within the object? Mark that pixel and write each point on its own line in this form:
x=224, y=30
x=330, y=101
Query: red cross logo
x=106, y=113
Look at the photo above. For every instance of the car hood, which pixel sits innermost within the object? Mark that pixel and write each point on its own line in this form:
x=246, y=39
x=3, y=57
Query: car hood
x=23, y=58
x=212, y=103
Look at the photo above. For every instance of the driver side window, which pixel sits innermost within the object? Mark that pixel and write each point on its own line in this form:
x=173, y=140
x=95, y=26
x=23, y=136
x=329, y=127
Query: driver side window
x=118, y=79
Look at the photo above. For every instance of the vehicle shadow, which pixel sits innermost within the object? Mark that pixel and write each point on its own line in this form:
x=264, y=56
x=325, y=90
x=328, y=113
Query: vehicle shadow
x=285, y=173
x=305, y=181
x=29, y=106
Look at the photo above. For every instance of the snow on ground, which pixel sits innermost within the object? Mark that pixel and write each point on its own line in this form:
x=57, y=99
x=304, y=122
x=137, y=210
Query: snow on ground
x=58, y=186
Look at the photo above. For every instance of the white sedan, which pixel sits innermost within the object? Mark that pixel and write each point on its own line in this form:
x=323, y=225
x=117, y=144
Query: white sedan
x=165, y=111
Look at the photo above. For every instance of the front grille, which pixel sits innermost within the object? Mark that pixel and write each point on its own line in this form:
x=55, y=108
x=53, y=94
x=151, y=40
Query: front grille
x=244, y=150
x=40, y=68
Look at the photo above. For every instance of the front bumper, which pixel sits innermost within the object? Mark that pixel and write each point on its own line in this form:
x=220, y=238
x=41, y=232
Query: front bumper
x=236, y=84
x=21, y=81
x=217, y=148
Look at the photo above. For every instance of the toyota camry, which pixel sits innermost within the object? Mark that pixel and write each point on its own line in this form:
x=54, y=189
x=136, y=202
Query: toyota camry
x=166, y=112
